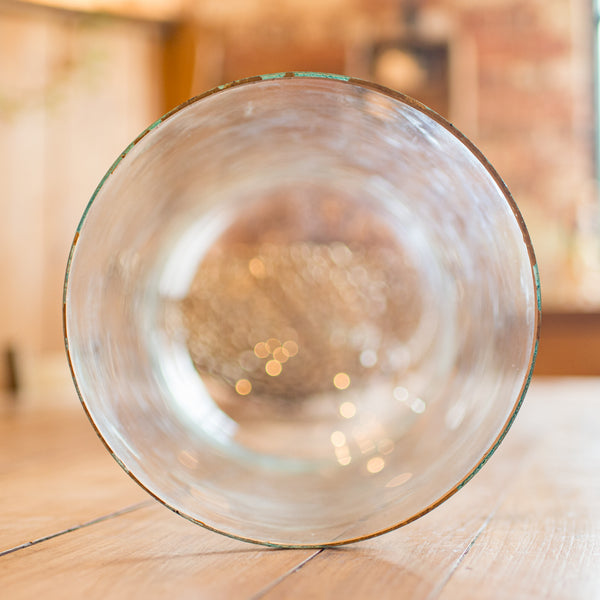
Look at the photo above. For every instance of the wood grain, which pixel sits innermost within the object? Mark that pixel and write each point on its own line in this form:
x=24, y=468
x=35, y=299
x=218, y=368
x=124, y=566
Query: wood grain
x=415, y=561
x=544, y=541
x=149, y=553
x=55, y=474
x=528, y=526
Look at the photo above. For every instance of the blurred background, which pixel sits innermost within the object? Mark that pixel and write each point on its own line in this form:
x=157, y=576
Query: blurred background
x=79, y=79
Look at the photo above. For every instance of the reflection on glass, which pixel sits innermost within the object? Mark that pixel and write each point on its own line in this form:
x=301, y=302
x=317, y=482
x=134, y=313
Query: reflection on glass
x=329, y=321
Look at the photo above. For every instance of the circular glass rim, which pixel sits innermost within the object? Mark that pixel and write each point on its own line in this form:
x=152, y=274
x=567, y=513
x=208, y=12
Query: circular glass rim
x=403, y=98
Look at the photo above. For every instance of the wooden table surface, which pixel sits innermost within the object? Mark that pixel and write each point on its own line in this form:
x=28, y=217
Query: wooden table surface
x=73, y=525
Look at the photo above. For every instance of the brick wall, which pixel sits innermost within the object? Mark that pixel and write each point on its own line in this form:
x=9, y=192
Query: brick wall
x=521, y=88
x=536, y=125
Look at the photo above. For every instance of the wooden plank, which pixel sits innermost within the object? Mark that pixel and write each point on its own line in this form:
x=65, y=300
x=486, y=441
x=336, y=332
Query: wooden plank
x=518, y=486
x=527, y=526
x=414, y=561
x=544, y=541
x=149, y=553
x=55, y=474
x=62, y=491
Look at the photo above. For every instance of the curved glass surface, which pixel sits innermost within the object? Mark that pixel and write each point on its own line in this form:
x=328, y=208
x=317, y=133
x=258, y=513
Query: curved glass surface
x=301, y=310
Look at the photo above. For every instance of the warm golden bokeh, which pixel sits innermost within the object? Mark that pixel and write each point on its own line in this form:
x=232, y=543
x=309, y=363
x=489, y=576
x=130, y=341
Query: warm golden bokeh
x=79, y=79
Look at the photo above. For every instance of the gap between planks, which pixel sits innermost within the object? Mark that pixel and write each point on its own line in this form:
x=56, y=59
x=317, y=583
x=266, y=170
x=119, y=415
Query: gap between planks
x=437, y=590
x=276, y=582
x=113, y=515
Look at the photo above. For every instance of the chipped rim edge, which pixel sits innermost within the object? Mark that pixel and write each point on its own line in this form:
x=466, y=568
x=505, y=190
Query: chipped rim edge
x=493, y=174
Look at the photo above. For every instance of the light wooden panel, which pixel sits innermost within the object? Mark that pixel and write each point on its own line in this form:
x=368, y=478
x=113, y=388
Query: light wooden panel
x=55, y=474
x=149, y=553
x=544, y=540
x=528, y=526
x=417, y=560
x=75, y=89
